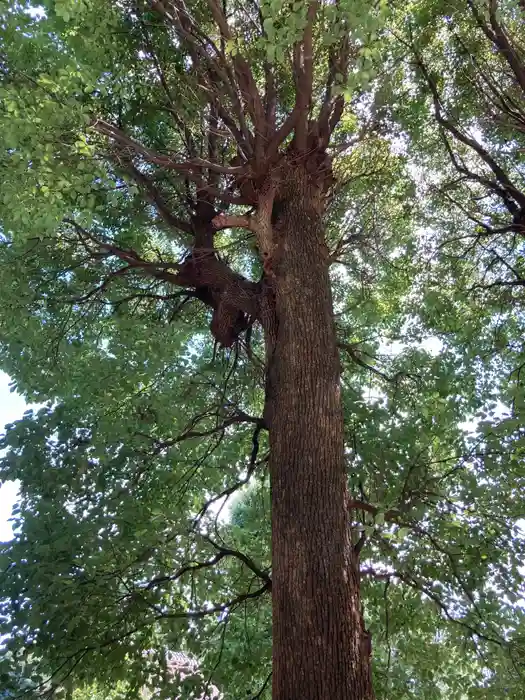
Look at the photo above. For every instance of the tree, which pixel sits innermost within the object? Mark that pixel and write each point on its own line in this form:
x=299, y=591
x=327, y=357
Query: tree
x=173, y=167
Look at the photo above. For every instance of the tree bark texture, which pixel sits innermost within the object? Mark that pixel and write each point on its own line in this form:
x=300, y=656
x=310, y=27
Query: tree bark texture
x=283, y=173
x=320, y=649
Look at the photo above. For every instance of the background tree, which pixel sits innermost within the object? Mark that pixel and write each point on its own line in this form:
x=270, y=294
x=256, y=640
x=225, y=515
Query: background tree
x=261, y=171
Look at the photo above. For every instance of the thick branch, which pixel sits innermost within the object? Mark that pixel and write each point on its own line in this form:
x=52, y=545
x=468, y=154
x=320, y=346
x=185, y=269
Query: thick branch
x=332, y=108
x=154, y=197
x=189, y=166
x=222, y=221
x=244, y=77
x=376, y=575
x=283, y=132
x=212, y=66
x=233, y=298
x=496, y=34
x=304, y=78
x=260, y=222
x=392, y=514
x=500, y=174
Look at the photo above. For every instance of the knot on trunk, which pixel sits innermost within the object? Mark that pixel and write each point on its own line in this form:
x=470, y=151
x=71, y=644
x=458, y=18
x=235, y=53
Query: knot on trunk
x=234, y=299
x=228, y=320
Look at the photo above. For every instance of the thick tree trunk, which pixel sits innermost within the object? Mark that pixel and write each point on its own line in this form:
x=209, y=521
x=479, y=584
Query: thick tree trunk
x=319, y=644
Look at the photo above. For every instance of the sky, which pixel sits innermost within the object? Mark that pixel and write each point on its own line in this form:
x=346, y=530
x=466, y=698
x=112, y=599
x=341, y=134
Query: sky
x=12, y=406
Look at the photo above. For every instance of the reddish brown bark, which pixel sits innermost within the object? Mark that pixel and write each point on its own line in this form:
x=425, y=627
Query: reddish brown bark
x=280, y=169
x=320, y=648
x=320, y=651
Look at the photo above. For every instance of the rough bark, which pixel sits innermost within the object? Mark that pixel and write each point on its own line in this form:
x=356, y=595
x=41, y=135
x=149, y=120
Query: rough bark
x=320, y=649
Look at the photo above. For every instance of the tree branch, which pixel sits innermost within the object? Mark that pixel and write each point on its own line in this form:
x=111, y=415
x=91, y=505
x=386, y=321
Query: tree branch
x=244, y=76
x=129, y=256
x=332, y=108
x=227, y=552
x=241, y=482
x=195, y=614
x=392, y=514
x=187, y=167
x=497, y=36
x=352, y=352
x=303, y=67
x=236, y=419
x=212, y=66
x=154, y=197
x=222, y=221
x=500, y=174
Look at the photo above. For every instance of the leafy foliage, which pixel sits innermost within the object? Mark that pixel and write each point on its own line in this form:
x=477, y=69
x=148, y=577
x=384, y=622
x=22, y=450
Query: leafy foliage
x=123, y=541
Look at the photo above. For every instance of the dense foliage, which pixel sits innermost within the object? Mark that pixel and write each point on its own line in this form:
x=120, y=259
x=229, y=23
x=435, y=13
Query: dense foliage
x=143, y=522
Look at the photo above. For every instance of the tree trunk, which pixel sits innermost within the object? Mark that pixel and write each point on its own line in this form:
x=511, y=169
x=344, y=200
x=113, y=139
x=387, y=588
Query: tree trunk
x=319, y=644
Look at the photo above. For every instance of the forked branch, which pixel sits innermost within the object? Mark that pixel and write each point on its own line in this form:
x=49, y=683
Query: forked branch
x=189, y=167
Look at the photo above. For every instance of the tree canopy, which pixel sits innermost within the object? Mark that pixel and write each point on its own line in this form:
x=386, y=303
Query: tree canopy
x=136, y=141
